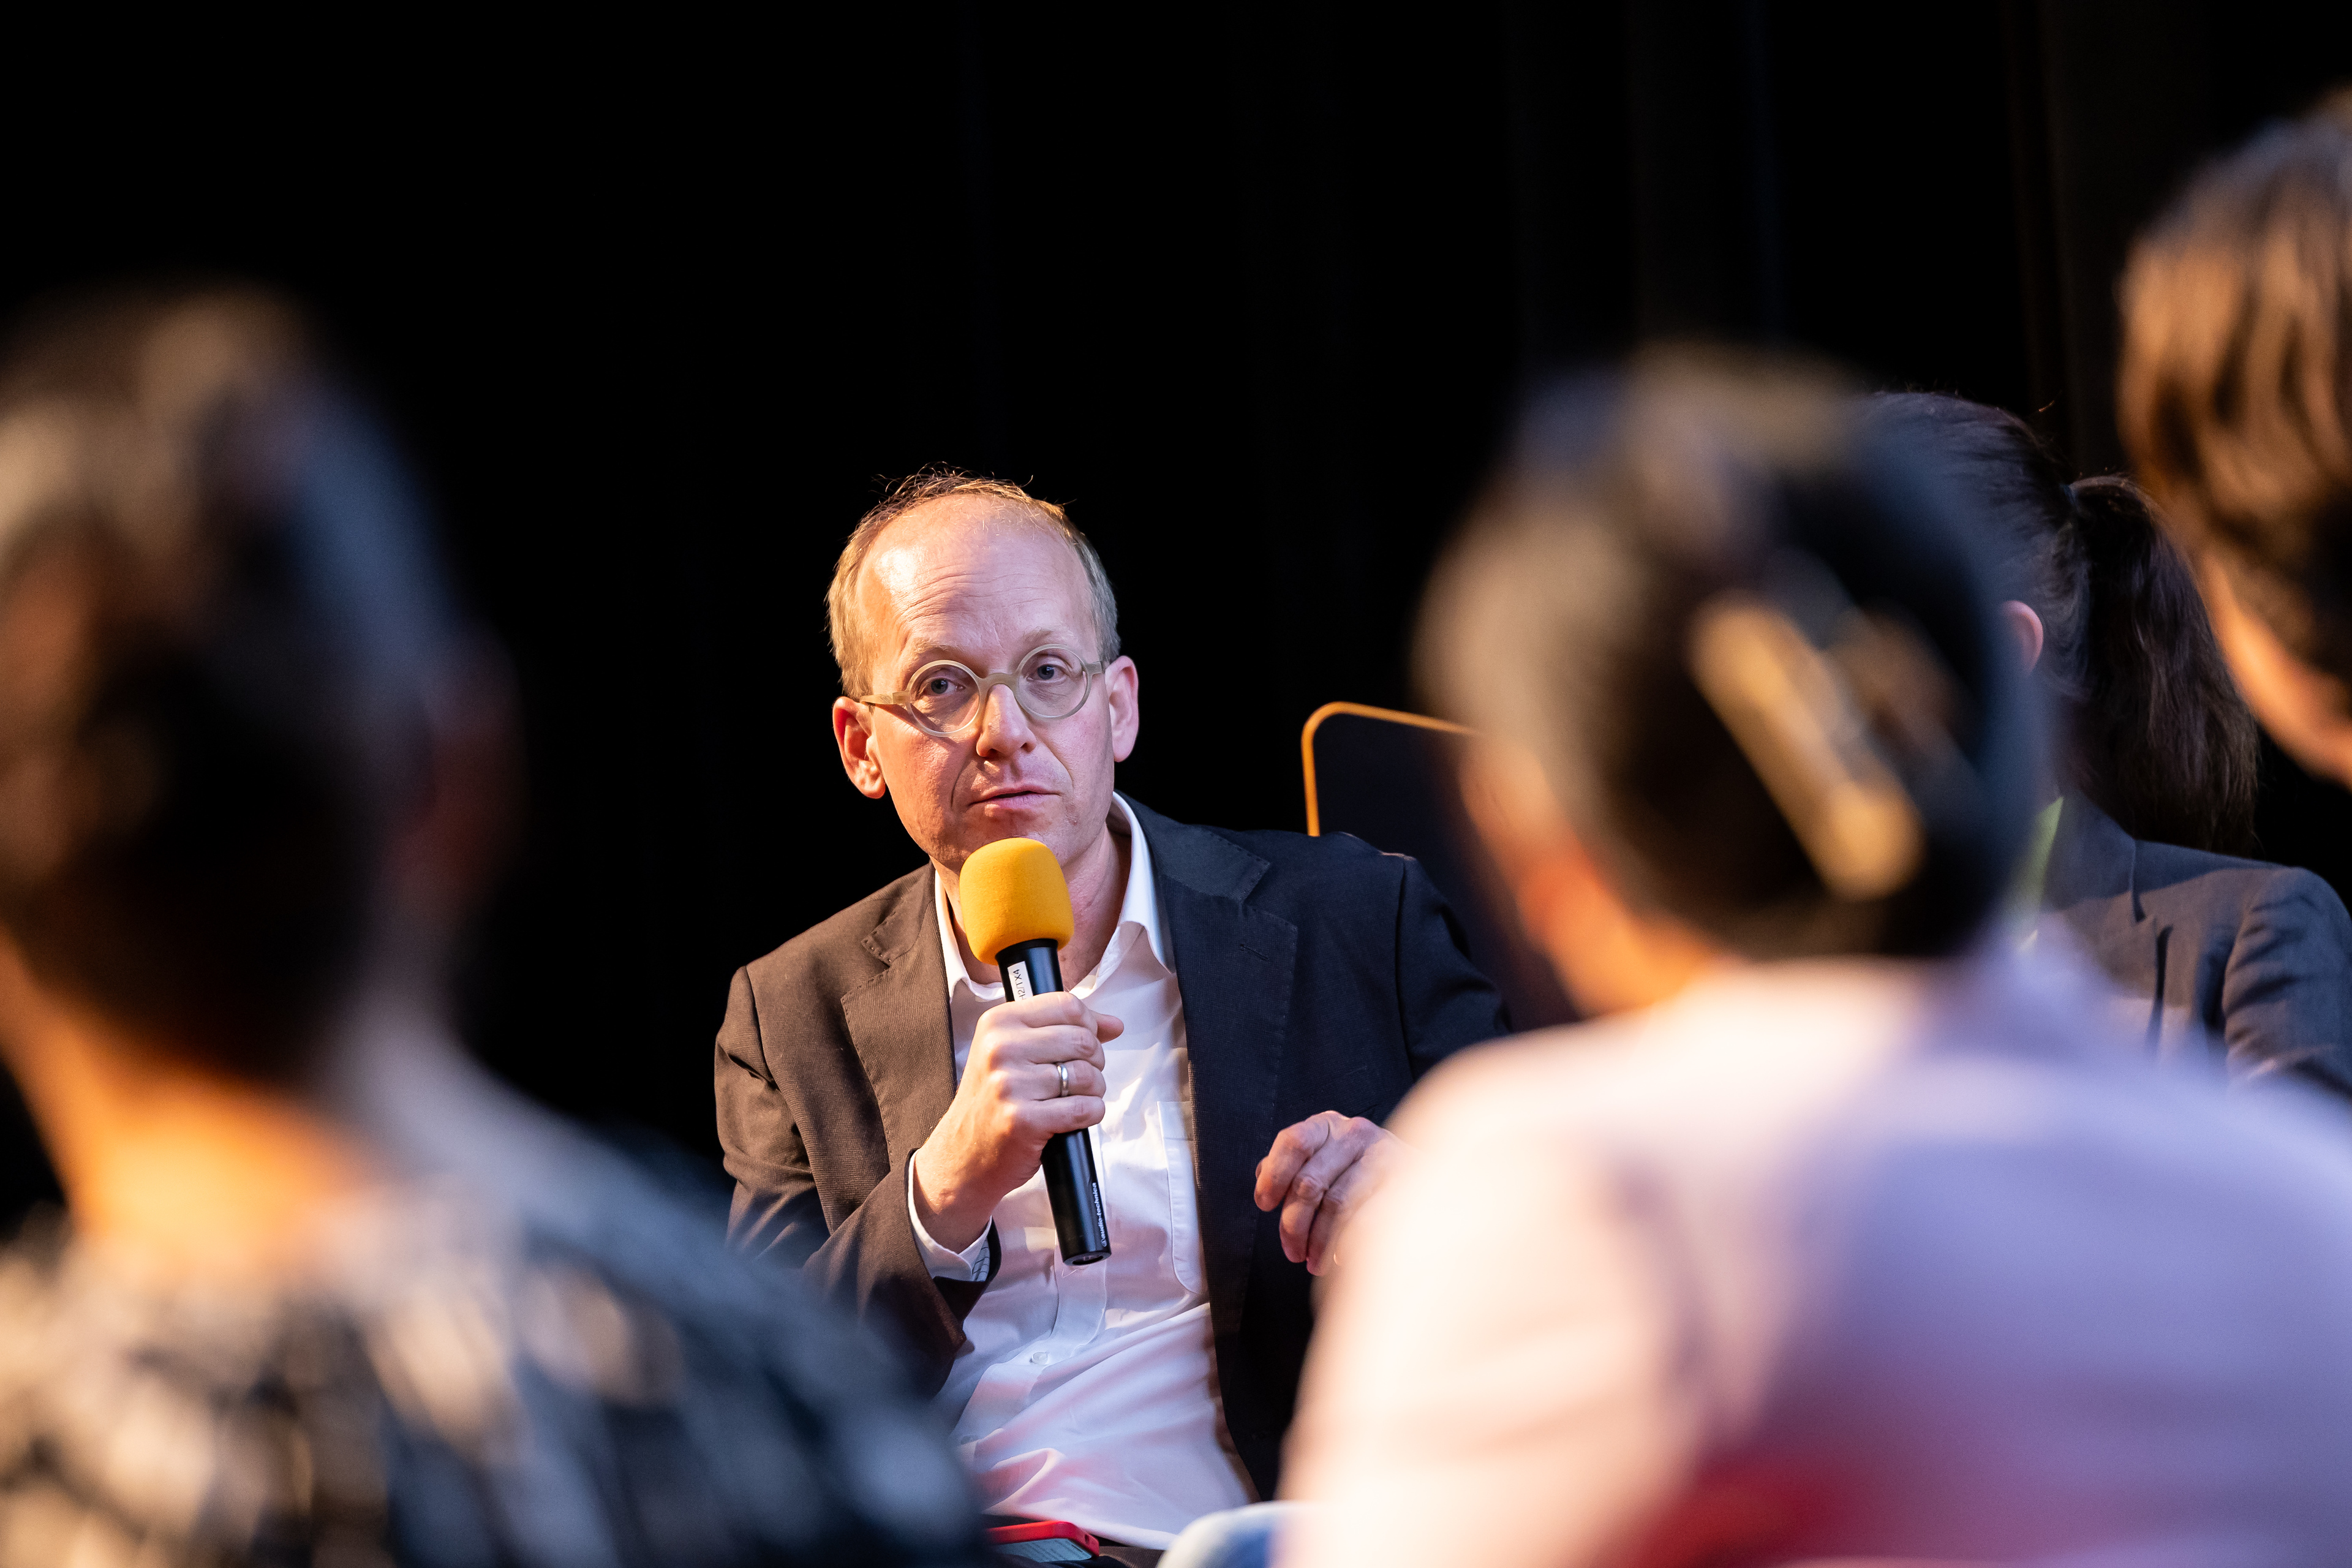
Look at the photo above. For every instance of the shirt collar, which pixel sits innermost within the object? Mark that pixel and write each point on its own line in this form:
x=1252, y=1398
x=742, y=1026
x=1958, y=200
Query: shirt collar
x=2033, y=876
x=1138, y=916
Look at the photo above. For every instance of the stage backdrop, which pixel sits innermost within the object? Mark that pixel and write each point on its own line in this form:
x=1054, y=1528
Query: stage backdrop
x=1250, y=286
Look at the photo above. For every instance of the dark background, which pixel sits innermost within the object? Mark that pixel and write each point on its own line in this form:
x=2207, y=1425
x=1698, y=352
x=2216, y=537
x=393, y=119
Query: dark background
x=1250, y=287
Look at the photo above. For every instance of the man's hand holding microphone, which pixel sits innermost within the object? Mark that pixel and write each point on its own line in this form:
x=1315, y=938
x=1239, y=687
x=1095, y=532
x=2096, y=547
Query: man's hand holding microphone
x=1033, y=1083
x=1010, y=1101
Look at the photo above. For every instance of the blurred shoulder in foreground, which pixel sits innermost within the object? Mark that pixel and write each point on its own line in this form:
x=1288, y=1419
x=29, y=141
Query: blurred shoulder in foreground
x=1841, y=1258
x=464, y=1381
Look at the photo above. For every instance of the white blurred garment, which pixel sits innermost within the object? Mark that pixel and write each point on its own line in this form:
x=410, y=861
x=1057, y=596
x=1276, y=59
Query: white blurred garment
x=1088, y=1393
x=1849, y=1259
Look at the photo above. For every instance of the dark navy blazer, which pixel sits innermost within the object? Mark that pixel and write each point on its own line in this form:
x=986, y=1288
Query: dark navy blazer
x=2255, y=957
x=1317, y=974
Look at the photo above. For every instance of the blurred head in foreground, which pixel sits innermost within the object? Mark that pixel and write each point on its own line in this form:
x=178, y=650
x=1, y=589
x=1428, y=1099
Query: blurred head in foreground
x=326, y=1292
x=1856, y=1238
x=224, y=664
x=1739, y=687
x=2235, y=400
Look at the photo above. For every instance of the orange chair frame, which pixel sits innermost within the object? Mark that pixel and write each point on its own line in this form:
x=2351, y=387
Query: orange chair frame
x=1361, y=710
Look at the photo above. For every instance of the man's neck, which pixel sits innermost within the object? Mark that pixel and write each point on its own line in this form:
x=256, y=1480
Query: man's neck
x=1098, y=878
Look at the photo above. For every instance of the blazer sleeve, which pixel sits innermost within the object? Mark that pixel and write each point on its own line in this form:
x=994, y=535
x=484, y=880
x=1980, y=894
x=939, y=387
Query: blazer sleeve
x=1444, y=1002
x=2286, y=995
x=872, y=1263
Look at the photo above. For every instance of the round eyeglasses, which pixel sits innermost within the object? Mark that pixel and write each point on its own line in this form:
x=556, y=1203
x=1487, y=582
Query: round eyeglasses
x=944, y=697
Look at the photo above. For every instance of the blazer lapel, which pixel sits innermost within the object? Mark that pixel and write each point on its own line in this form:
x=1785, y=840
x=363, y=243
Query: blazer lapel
x=2089, y=884
x=2092, y=887
x=899, y=1024
x=1233, y=965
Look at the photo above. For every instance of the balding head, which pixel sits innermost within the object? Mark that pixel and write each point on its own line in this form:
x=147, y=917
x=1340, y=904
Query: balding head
x=954, y=500
x=982, y=576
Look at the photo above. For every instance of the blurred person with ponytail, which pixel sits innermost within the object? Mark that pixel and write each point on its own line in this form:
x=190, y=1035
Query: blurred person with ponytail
x=2137, y=860
x=327, y=1293
x=1844, y=1230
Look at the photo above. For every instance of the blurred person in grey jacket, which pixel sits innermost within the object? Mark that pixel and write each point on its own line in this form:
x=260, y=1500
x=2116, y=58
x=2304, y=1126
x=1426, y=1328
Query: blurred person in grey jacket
x=1843, y=1231
x=2139, y=861
x=326, y=1293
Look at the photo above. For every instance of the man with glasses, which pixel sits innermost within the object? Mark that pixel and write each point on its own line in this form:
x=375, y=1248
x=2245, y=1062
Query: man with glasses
x=1244, y=1007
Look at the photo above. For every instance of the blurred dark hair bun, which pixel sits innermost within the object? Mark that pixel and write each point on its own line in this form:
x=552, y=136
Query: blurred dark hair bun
x=1753, y=654
x=218, y=619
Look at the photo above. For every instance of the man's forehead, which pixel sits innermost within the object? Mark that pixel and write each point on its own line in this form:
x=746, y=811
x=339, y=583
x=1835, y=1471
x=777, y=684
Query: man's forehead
x=963, y=557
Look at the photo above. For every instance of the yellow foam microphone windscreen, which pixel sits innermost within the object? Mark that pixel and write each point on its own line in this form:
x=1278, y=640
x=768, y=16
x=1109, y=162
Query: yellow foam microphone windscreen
x=1013, y=892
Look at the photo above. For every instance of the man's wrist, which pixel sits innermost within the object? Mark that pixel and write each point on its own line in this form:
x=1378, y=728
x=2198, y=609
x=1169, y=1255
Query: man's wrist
x=974, y=1263
x=948, y=1223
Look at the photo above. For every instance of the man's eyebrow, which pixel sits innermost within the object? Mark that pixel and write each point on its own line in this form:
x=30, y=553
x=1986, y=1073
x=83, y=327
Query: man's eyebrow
x=921, y=654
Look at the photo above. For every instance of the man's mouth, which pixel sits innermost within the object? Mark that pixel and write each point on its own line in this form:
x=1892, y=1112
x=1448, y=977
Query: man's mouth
x=1011, y=793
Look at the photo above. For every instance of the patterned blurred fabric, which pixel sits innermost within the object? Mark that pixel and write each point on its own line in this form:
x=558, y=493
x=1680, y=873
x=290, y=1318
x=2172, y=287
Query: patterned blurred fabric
x=462, y=1386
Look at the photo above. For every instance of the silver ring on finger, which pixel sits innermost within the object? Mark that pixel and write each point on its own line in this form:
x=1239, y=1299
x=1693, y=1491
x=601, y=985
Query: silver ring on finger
x=1062, y=1073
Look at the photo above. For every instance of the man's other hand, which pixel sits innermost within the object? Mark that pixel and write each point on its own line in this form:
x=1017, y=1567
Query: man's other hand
x=1318, y=1173
x=1009, y=1101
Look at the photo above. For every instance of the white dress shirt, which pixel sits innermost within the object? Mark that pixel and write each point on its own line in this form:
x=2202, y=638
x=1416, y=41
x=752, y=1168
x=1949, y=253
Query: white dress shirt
x=1910, y=1261
x=1089, y=1393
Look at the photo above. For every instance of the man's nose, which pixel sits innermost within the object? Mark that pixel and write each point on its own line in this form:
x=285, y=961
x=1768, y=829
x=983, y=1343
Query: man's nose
x=1003, y=728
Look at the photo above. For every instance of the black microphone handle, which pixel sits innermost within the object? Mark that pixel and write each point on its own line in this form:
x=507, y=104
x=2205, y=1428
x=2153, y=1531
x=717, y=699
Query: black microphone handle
x=1030, y=969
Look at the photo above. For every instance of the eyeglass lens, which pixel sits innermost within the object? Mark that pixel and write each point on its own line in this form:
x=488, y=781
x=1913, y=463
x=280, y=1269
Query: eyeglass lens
x=1050, y=684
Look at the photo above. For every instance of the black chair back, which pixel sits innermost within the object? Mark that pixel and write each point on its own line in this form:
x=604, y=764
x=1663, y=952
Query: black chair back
x=1387, y=777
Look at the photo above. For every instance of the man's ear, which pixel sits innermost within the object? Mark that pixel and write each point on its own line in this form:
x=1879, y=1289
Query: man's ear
x=2307, y=713
x=1120, y=683
x=1510, y=804
x=17, y=993
x=1558, y=893
x=853, y=732
x=1609, y=955
x=2026, y=627
x=447, y=858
